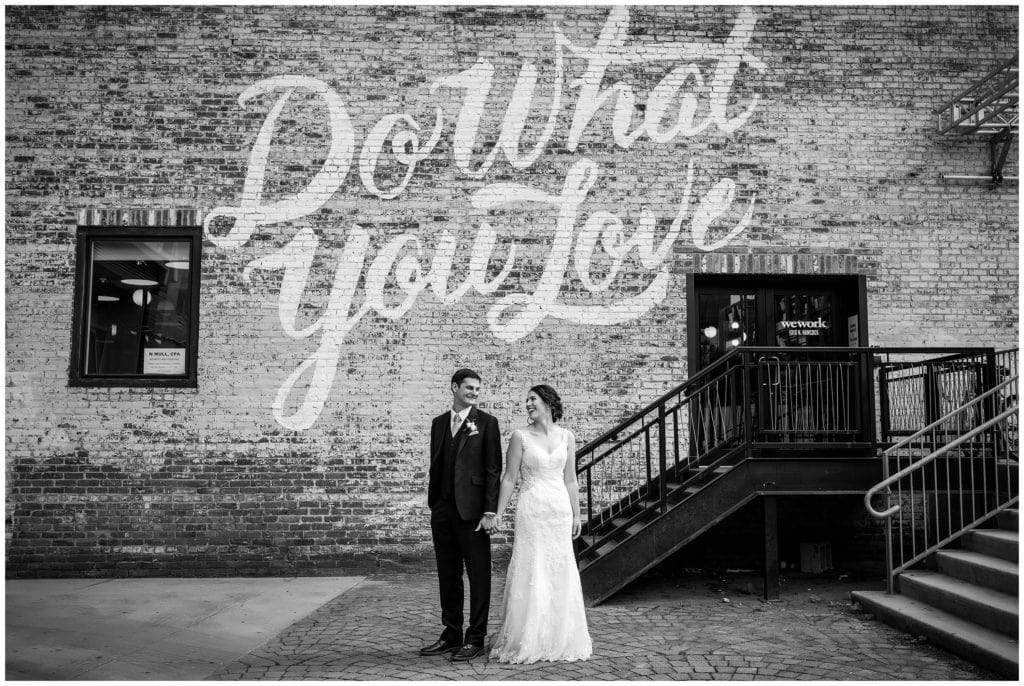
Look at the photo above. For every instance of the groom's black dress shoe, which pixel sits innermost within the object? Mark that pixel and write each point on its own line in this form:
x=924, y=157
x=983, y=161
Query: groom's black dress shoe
x=439, y=648
x=467, y=652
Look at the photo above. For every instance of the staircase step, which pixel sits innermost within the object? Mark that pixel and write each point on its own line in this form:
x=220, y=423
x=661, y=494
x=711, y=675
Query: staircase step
x=995, y=542
x=1007, y=519
x=720, y=469
x=977, y=568
x=977, y=604
x=982, y=646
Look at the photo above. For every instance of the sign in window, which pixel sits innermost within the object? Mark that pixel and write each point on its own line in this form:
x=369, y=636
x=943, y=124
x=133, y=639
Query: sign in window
x=804, y=319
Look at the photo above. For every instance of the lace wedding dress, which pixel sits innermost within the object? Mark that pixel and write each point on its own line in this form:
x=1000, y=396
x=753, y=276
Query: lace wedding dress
x=544, y=612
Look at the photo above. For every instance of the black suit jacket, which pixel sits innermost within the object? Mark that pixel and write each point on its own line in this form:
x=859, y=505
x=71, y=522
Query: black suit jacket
x=477, y=463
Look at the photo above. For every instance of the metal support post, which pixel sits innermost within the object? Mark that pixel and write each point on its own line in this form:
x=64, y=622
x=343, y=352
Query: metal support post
x=771, y=548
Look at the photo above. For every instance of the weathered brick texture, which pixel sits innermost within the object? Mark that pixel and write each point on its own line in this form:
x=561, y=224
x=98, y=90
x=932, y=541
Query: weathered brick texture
x=816, y=120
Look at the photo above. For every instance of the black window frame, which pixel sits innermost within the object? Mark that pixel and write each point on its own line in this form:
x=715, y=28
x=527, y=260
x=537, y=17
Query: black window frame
x=84, y=238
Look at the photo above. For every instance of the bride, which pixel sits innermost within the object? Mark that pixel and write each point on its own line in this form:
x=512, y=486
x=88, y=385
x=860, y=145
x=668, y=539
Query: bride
x=543, y=603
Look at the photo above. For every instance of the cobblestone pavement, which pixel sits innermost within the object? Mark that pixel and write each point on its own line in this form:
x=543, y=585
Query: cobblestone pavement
x=694, y=627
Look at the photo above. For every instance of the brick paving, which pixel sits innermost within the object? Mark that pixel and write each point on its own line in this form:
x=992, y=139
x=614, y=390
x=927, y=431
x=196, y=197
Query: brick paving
x=693, y=627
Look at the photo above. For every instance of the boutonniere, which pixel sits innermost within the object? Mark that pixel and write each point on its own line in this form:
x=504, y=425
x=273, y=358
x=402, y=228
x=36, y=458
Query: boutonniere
x=471, y=426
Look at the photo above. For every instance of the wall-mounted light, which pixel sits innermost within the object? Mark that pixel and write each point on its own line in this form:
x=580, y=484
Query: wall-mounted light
x=710, y=332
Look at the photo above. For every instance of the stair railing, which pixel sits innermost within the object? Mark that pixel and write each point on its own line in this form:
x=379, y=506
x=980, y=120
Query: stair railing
x=988, y=105
x=754, y=399
x=948, y=486
x=634, y=460
x=914, y=393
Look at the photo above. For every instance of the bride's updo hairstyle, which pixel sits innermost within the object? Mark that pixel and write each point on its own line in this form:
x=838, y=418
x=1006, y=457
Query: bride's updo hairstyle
x=550, y=398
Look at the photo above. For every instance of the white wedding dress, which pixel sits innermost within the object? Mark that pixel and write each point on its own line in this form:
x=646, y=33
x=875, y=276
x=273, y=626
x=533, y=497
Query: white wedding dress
x=544, y=612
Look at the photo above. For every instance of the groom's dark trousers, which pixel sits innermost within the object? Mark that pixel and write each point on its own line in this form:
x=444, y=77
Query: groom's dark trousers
x=465, y=473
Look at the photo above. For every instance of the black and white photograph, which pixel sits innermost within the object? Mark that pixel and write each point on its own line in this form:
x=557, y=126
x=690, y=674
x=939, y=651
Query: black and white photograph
x=504, y=341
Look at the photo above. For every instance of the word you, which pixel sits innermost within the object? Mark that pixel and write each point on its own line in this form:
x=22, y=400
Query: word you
x=671, y=111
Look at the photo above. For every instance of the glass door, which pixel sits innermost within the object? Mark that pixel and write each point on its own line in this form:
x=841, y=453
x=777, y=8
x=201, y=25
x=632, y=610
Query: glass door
x=729, y=311
x=728, y=318
x=796, y=395
x=803, y=318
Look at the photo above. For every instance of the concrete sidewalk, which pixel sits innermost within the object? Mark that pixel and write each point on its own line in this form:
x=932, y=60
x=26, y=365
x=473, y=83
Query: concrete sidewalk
x=147, y=629
x=370, y=628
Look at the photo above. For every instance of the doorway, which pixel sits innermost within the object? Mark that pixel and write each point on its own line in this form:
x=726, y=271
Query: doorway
x=795, y=393
x=729, y=311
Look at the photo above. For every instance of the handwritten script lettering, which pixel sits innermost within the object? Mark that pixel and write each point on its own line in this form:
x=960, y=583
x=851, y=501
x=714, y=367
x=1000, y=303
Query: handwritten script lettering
x=674, y=108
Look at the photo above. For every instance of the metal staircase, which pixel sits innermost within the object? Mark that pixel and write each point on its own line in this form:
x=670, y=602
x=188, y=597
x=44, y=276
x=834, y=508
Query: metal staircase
x=988, y=108
x=757, y=424
x=952, y=534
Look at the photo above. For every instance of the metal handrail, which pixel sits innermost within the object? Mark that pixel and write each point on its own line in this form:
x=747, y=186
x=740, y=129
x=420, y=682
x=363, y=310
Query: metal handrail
x=927, y=385
x=613, y=433
x=725, y=412
x=960, y=484
x=662, y=425
x=949, y=415
x=928, y=459
x=952, y=354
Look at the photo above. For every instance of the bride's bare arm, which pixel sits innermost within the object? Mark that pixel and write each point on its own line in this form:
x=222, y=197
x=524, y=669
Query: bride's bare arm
x=513, y=460
x=572, y=485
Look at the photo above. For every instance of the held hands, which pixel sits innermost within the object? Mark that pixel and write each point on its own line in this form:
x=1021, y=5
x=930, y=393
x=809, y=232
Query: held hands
x=489, y=523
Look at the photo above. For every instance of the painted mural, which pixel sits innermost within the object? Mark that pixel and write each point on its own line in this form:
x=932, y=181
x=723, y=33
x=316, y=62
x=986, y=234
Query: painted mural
x=697, y=93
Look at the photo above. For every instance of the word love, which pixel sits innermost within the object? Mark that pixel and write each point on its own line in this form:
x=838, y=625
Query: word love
x=514, y=315
x=402, y=269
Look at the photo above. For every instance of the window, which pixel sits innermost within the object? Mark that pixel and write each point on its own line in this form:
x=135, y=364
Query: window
x=137, y=307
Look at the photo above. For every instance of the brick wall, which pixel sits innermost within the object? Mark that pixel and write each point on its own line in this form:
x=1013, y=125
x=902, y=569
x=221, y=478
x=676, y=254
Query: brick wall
x=804, y=136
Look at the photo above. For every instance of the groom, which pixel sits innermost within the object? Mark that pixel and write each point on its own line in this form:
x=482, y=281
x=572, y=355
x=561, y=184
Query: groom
x=465, y=472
